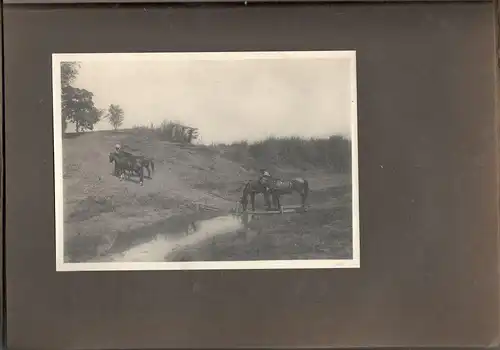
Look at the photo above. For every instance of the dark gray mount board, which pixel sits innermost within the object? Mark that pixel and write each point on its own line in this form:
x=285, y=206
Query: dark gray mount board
x=429, y=216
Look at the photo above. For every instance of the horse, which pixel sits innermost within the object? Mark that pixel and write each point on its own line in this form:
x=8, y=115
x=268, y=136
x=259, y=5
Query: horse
x=124, y=164
x=252, y=188
x=147, y=163
x=279, y=187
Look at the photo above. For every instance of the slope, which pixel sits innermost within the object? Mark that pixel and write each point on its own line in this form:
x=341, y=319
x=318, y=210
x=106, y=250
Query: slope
x=99, y=208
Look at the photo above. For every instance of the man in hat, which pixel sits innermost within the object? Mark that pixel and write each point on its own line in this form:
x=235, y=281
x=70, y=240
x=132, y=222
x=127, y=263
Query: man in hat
x=264, y=178
x=118, y=152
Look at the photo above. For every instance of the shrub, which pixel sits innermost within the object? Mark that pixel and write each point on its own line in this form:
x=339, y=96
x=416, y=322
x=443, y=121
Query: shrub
x=171, y=131
x=332, y=153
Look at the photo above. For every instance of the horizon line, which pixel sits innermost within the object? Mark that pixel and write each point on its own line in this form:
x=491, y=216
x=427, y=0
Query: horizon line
x=269, y=137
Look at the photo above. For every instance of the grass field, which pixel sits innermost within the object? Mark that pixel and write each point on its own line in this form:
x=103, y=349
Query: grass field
x=106, y=218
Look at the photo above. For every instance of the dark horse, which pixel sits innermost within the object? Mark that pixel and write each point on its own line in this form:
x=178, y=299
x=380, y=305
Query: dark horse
x=124, y=164
x=146, y=162
x=279, y=187
x=252, y=188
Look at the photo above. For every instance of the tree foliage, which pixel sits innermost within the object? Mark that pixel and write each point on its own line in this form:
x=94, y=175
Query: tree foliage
x=115, y=116
x=69, y=72
x=172, y=131
x=78, y=108
x=77, y=104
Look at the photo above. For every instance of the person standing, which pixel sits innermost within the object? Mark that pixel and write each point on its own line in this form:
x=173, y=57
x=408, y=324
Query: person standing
x=264, y=178
x=119, y=153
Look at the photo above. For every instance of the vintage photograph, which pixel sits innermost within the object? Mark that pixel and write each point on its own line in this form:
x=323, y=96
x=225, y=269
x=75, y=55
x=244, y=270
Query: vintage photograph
x=210, y=160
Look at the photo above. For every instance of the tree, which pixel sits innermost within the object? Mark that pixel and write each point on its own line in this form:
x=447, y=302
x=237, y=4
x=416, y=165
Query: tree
x=69, y=72
x=77, y=104
x=78, y=107
x=115, y=116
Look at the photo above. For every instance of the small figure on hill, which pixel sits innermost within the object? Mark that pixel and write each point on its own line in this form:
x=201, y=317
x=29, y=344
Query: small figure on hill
x=118, y=151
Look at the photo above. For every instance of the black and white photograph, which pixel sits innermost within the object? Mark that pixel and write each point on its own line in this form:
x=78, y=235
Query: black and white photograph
x=206, y=160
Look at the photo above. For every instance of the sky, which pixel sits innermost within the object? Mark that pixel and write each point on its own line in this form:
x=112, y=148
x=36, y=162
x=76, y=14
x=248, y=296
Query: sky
x=227, y=100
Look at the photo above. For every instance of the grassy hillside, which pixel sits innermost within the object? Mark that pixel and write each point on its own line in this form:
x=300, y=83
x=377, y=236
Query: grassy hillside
x=333, y=153
x=190, y=182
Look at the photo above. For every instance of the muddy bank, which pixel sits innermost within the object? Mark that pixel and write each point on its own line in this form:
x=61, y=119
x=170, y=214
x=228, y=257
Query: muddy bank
x=84, y=248
x=165, y=245
x=189, y=233
x=323, y=232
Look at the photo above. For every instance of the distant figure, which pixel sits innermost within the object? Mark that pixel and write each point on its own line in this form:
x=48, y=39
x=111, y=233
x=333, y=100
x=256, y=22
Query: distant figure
x=118, y=151
x=264, y=178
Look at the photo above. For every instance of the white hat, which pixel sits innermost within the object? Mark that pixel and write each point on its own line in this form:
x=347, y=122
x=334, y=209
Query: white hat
x=118, y=145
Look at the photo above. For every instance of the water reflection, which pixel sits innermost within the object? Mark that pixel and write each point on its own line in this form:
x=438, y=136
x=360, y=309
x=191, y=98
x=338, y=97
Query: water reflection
x=218, y=223
x=196, y=232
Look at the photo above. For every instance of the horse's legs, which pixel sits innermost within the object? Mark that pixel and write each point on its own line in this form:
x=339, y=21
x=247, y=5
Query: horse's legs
x=252, y=197
x=141, y=175
x=267, y=200
x=278, y=204
x=305, y=192
x=244, y=202
x=304, y=198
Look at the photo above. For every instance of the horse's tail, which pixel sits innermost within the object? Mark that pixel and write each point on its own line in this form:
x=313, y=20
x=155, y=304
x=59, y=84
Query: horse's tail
x=152, y=166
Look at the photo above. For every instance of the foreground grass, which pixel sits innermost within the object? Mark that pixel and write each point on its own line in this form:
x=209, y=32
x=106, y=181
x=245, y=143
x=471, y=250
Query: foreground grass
x=324, y=232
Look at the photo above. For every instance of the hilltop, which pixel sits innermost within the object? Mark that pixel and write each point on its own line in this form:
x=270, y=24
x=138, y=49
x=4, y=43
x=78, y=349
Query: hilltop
x=99, y=208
